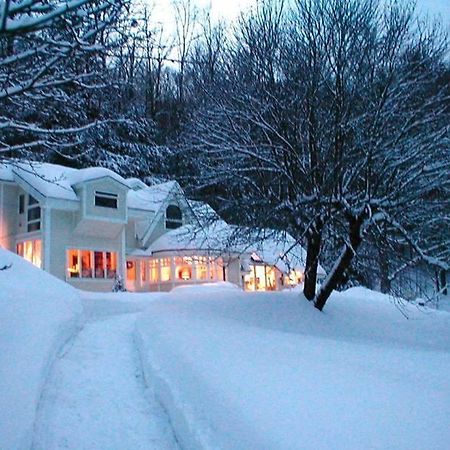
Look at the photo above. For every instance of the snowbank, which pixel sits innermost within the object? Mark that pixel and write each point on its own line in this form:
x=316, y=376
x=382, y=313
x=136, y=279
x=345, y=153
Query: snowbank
x=267, y=371
x=38, y=314
x=104, y=304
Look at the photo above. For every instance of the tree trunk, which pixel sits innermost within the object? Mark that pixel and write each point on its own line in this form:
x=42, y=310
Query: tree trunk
x=385, y=282
x=342, y=264
x=314, y=242
x=443, y=282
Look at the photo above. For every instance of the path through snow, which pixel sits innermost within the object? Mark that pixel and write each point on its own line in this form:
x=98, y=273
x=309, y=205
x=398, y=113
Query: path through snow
x=96, y=398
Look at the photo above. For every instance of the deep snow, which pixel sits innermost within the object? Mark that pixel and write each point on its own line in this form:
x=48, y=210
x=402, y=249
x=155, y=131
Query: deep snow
x=223, y=369
x=38, y=314
x=96, y=399
x=66, y=383
x=268, y=371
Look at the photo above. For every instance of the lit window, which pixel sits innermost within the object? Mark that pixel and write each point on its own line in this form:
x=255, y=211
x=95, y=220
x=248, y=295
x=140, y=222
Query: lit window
x=201, y=268
x=86, y=264
x=111, y=264
x=143, y=271
x=183, y=268
x=154, y=270
x=99, y=270
x=165, y=267
x=106, y=200
x=131, y=271
x=174, y=217
x=73, y=262
x=91, y=264
x=31, y=251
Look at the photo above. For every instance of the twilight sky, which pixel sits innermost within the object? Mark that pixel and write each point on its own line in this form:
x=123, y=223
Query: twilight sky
x=229, y=9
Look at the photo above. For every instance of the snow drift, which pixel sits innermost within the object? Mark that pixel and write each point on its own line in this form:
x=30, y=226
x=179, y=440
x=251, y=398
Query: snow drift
x=267, y=371
x=38, y=314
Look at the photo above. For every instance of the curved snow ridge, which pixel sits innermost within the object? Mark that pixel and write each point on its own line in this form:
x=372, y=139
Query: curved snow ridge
x=202, y=417
x=240, y=372
x=183, y=419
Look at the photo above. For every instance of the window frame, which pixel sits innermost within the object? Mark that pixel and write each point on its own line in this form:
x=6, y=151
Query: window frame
x=21, y=206
x=35, y=223
x=36, y=254
x=172, y=223
x=107, y=273
x=101, y=196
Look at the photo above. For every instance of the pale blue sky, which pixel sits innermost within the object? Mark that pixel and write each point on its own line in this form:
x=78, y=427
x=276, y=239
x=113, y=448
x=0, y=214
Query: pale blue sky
x=229, y=9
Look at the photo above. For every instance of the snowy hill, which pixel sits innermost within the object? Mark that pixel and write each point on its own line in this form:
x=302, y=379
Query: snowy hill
x=268, y=371
x=38, y=314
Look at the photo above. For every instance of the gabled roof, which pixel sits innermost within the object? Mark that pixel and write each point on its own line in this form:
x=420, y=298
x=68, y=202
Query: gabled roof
x=203, y=212
x=152, y=197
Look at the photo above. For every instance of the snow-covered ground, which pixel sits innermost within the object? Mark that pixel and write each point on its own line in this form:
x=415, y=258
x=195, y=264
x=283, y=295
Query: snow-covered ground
x=268, y=371
x=95, y=397
x=70, y=380
x=38, y=314
x=211, y=367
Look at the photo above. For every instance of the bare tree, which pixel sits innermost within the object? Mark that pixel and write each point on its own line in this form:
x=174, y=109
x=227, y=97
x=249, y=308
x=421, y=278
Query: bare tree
x=49, y=50
x=186, y=23
x=333, y=117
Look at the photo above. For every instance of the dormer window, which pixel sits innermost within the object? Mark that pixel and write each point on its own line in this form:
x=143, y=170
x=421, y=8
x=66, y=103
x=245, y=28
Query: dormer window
x=106, y=200
x=174, y=217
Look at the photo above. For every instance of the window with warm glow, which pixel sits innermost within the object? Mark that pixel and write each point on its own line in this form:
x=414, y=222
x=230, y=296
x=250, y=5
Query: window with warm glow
x=166, y=269
x=183, y=268
x=143, y=271
x=154, y=270
x=131, y=271
x=31, y=251
x=86, y=264
x=111, y=264
x=91, y=264
x=201, y=268
x=73, y=263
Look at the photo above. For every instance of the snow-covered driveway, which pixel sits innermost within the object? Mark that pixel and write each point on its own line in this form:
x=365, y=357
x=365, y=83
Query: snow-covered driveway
x=96, y=398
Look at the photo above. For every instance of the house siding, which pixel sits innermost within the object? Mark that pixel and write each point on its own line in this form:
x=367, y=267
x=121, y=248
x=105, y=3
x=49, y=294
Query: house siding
x=102, y=213
x=62, y=239
x=8, y=215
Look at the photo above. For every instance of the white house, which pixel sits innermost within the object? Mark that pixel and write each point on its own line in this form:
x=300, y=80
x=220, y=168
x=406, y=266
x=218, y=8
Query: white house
x=87, y=226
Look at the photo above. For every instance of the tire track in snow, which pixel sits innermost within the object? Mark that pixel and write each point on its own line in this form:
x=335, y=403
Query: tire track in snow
x=95, y=397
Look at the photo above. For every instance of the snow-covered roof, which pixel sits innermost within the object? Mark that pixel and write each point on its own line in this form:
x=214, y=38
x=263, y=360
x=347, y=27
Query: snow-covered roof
x=271, y=247
x=151, y=197
x=135, y=183
x=203, y=212
x=50, y=180
x=6, y=173
x=95, y=173
x=55, y=181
